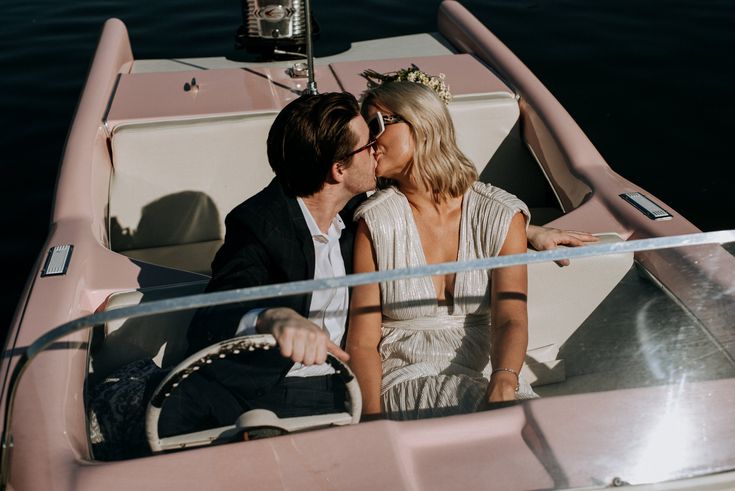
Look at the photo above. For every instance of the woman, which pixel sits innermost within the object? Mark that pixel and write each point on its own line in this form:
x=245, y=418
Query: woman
x=420, y=347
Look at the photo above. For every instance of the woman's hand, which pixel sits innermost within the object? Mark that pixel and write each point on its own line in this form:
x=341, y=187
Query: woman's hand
x=502, y=387
x=543, y=238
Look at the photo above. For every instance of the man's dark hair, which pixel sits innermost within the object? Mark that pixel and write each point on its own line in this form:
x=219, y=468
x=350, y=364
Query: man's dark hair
x=308, y=136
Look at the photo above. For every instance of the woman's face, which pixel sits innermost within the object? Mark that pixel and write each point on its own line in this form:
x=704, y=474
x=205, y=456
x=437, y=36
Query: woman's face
x=395, y=147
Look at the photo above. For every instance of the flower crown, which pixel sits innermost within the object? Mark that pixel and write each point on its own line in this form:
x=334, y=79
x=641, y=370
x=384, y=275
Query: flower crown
x=411, y=74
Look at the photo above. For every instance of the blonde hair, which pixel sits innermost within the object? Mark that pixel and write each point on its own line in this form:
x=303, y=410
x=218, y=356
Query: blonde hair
x=437, y=162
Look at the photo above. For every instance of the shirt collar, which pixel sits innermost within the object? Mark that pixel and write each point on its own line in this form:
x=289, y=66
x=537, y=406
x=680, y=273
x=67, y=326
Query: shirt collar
x=335, y=229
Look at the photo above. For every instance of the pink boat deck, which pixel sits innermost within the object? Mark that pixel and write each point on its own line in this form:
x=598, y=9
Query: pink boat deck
x=141, y=97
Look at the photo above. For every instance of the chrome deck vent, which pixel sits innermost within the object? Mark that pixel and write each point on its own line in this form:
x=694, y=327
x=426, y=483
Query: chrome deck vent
x=57, y=260
x=643, y=204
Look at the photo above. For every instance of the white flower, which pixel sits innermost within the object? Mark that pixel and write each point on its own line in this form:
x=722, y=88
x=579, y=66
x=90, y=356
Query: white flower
x=411, y=74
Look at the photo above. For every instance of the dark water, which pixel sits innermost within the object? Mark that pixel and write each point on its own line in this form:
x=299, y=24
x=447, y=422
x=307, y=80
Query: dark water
x=650, y=82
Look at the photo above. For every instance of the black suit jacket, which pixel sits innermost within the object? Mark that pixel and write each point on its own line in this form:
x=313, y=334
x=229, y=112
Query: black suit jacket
x=267, y=241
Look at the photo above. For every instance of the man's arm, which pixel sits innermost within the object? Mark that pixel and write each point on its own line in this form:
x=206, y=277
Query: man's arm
x=243, y=261
x=246, y=260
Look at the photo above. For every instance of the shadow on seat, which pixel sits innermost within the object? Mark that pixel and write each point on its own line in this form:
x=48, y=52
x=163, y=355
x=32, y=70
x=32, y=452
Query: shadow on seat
x=161, y=337
x=180, y=230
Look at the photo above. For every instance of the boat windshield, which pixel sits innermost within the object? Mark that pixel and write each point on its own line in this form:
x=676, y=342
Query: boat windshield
x=629, y=370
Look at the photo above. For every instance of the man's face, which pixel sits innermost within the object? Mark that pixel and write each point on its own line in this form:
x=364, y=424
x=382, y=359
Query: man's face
x=360, y=172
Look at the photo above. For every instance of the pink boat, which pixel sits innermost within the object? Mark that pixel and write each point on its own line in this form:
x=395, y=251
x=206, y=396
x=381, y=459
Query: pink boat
x=631, y=347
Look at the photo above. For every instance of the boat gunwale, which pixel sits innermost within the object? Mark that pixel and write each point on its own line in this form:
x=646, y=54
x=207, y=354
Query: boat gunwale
x=82, y=133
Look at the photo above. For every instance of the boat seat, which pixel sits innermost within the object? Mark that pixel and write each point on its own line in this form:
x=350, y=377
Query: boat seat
x=488, y=132
x=173, y=182
x=559, y=301
x=161, y=337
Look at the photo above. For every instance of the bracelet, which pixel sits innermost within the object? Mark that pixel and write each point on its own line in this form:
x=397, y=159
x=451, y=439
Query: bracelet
x=504, y=369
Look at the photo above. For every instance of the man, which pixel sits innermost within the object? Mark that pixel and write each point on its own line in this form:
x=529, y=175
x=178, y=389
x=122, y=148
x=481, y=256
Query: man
x=299, y=227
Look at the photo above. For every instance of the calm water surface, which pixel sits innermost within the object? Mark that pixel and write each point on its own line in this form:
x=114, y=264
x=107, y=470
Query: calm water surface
x=649, y=81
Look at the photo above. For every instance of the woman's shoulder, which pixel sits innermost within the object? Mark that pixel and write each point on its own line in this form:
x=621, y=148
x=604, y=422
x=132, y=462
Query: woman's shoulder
x=486, y=193
x=382, y=201
x=486, y=201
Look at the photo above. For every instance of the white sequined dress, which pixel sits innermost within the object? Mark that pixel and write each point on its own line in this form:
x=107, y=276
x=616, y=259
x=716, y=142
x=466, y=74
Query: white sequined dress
x=436, y=360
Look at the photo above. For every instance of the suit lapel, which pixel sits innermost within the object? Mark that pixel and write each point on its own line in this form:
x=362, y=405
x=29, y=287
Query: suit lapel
x=306, y=243
x=302, y=236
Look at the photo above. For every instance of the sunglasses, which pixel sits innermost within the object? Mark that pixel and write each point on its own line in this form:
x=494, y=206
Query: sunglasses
x=376, y=126
x=378, y=123
x=369, y=144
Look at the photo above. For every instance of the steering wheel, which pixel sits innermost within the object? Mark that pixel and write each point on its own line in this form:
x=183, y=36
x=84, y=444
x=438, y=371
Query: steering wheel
x=262, y=422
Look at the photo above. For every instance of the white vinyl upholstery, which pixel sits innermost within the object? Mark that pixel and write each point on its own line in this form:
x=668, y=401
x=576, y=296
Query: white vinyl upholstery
x=175, y=181
x=559, y=301
x=161, y=337
x=481, y=123
x=560, y=298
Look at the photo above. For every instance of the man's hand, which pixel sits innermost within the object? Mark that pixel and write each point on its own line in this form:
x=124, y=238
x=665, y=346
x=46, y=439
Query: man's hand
x=543, y=238
x=298, y=338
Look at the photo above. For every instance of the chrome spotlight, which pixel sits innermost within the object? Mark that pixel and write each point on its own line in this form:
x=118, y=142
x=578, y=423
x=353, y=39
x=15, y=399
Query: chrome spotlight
x=276, y=29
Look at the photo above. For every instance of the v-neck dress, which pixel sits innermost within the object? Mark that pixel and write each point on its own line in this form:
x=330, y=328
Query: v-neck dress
x=436, y=359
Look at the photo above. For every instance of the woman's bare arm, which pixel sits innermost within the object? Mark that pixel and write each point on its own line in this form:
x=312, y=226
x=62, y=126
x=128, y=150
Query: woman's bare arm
x=363, y=335
x=509, y=293
x=544, y=238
